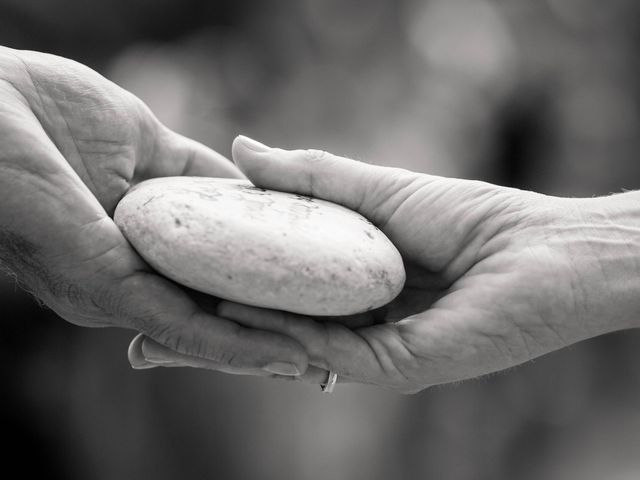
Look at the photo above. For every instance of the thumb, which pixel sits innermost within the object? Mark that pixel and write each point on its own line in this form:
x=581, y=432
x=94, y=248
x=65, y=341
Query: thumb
x=373, y=191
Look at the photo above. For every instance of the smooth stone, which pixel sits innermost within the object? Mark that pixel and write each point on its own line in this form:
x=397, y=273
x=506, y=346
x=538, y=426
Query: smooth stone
x=228, y=238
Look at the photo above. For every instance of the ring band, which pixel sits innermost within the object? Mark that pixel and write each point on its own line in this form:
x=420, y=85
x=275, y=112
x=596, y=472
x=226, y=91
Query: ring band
x=331, y=382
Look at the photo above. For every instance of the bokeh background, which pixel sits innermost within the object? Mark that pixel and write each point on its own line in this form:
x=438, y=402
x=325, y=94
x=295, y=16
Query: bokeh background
x=537, y=94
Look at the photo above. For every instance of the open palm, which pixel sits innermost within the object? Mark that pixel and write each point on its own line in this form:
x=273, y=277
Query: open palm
x=489, y=281
x=72, y=143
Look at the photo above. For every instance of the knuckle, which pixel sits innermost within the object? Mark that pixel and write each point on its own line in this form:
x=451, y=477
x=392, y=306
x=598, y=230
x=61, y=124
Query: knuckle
x=316, y=162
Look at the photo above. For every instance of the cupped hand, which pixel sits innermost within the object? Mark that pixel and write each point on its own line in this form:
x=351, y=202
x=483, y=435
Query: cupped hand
x=495, y=276
x=71, y=145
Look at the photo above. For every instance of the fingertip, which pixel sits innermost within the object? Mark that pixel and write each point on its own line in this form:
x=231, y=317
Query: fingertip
x=155, y=352
x=134, y=353
x=246, y=143
x=245, y=151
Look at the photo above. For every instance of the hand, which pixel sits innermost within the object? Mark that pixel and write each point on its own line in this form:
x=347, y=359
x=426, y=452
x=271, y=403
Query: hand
x=71, y=144
x=495, y=276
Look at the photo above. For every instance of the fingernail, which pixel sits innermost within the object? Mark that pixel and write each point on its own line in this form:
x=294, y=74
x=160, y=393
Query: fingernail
x=282, y=368
x=157, y=354
x=159, y=361
x=252, y=144
x=143, y=366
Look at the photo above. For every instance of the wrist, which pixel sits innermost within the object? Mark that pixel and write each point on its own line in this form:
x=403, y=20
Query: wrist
x=602, y=243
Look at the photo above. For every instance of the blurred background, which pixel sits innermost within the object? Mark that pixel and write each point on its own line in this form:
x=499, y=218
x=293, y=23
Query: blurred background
x=537, y=94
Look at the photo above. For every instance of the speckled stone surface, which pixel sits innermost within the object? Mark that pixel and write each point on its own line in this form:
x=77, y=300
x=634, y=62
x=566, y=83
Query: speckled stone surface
x=260, y=247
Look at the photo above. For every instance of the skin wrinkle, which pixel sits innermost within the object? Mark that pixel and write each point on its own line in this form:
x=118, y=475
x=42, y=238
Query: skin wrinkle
x=501, y=317
x=491, y=332
x=39, y=170
x=576, y=289
x=21, y=258
x=160, y=133
x=363, y=198
x=92, y=259
x=313, y=156
x=379, y=198
x=87, y=170
x=407, y=191
x=413, y=341
x=79, y=153
x=379, y=348
x=18, y=254
x=412, y=361
x=593, y=254
x=202, y=349
x=526, y=326
x=461, y=260
x=542, y=312
x=508, y=352
x=538, y=347
x=492, y=216
x=39, y=95
x=194, y=342
x=150, y=134
x=500, y=345
x=508, y=217
x=116, y=301
x=621, y=234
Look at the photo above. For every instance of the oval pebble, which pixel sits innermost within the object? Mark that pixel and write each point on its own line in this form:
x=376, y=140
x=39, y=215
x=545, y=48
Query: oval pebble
x=228, y=238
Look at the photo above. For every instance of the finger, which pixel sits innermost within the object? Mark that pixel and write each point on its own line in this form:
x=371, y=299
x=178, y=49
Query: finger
x=177, y=155
x=165, y=313
x=330, y=346
x=146, y=353
x=375, y=192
